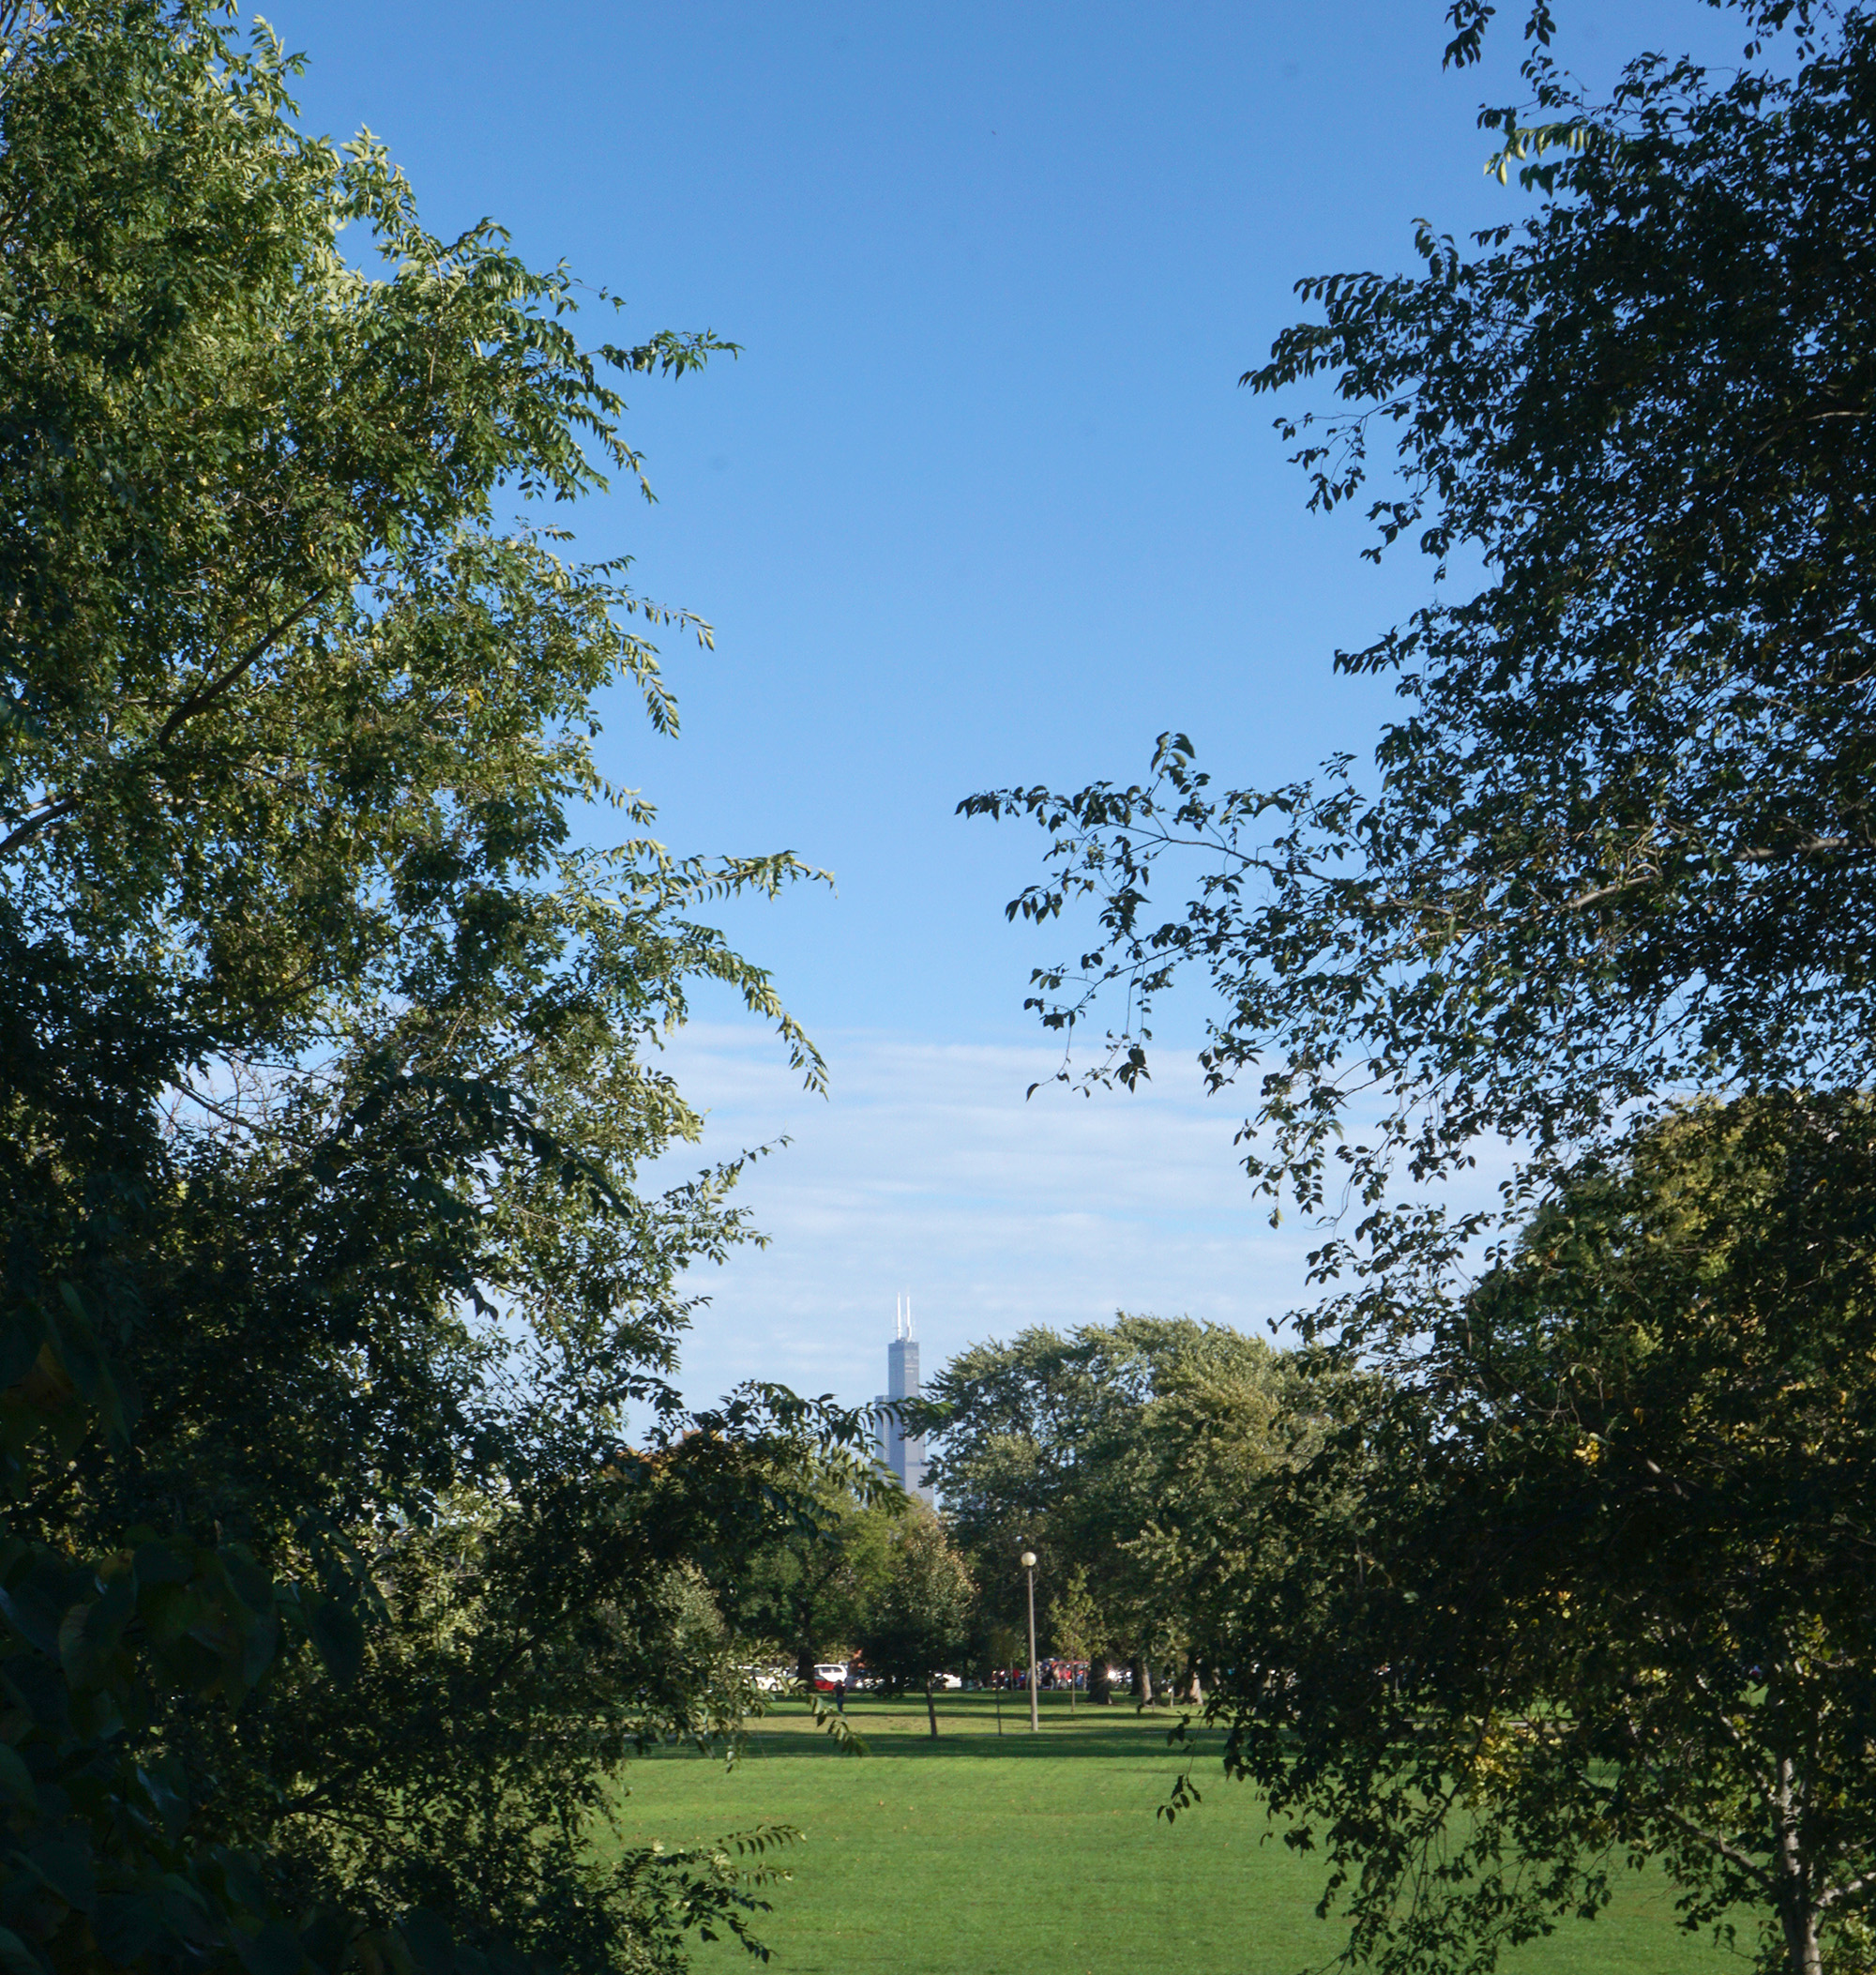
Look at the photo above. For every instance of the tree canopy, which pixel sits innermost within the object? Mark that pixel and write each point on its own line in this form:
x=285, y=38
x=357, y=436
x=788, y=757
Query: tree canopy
x=918, y=1621
x=808, y=1591
x=1123, y=1454
x=330, y=1595
x=1579, y=1573
x=1592, y=1586
x=1617, y=843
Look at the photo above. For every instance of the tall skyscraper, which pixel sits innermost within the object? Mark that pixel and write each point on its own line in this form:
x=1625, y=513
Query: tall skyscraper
x=901, y=1453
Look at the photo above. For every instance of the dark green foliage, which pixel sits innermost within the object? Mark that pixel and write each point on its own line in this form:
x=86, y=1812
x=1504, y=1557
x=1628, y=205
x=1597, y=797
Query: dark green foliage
x=806, y=1592
x=1619, y=840
x=1593, y=1584
x=1123, y=1454
x=917, y=1620
x=332, y=1598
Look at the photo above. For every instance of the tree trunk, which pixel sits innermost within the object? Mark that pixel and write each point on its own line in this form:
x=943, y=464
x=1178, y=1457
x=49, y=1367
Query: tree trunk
x=932, y=1709
x=1100, y=1681
x=1797, y=1911
x=1192, y=1689
x=1143, y=1683
x=803, y=1669
x=1802, y=1955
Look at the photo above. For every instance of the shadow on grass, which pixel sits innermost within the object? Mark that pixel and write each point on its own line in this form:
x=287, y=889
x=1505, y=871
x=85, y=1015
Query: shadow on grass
x=967, y=1731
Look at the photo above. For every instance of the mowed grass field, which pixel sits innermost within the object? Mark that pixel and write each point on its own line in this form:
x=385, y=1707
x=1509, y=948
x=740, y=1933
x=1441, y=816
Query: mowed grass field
x=1041, y=1855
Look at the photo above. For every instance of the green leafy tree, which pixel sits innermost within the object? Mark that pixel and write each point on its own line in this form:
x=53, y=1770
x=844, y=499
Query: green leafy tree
x=808, y=1587
x=1074, y=1625
x=1001, y=1415
x=919, y=1621
x=1026, y=1432
x=1121, y=1452
x=1590, y=1589
x=1618, y=843
x=329, y=1594
x=1615, y=849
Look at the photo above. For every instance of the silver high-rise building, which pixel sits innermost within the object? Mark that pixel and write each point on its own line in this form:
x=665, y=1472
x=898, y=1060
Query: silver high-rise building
x=902, y=1453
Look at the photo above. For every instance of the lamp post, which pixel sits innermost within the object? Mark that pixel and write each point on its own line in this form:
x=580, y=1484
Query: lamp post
x=1028, y=1562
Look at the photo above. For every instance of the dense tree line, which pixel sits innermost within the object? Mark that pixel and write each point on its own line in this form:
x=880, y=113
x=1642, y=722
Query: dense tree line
x=1123, y=1456
x=1587, y=1585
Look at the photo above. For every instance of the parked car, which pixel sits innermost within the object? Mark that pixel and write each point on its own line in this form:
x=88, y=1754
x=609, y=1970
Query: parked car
x=825, y=1676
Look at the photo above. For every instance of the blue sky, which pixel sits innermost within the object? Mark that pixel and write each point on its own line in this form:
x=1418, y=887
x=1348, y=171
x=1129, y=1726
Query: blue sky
x=980, y=504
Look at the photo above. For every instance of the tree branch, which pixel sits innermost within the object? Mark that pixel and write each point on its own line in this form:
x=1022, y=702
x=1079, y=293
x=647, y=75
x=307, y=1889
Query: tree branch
x=51, y=814
x=1833, y=1895
x=206, y=696
x=1759, y=1874
x=186, y=710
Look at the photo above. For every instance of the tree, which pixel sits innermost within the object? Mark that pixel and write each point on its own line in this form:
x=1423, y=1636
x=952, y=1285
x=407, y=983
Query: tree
x=1617, y=848
x=1618, y=843
x=918, y=1620
x=1593, y=1587
x=1120, y=1453
x=332, y=1596
x=809, y=1587
x=1027, y=1436
x=1073, y=1621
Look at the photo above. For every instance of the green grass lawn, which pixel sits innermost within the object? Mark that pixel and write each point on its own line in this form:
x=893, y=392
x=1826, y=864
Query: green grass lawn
x=977, y=1855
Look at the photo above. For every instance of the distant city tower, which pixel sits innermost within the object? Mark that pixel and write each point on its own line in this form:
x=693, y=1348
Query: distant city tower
x=902, y=1452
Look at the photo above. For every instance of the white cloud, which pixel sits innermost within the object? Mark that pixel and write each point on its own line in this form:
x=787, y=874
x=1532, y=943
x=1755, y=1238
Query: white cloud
x=927, y=1171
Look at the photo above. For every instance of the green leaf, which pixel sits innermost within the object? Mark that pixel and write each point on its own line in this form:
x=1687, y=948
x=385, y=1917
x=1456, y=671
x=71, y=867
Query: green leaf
x=337, y=1632
x=427, y=1938
x=16, y=1958
x=158, y=1564
x=16, y=1781
x=274, y=1951
x=64, y=1863
x=125, y=1926
x=90, y=1632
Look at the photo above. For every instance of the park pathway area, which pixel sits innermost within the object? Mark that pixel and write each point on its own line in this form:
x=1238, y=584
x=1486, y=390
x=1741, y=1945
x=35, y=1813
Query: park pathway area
x=980, y=1854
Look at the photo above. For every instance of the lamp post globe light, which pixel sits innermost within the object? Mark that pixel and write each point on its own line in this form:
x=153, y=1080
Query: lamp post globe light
x=1028, y=1562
